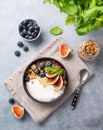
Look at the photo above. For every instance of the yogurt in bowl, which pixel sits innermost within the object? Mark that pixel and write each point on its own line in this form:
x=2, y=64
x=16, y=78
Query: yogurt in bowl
x=43, y=93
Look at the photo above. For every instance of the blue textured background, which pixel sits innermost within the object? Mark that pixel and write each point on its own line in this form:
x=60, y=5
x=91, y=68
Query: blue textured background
x=89, y=112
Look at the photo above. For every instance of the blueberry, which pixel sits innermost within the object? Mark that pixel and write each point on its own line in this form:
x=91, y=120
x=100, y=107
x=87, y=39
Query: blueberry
x=27, y=36
x=27, y=79
x=48, y=63
x=24, y=27
x=20, y=44
x=41, y=65
x=11, y=101
x=25, y=22
x=36, y=27
x=36, y=31
x=34, y=35
x=30, y=24
x=24, y=32
x=17, y=53
x=42, y=74
x=53, y=65
x=20, y=27
x=30, y=37
x=30, y=33
x=25, y=48
x=31, y=28
x=37, y=71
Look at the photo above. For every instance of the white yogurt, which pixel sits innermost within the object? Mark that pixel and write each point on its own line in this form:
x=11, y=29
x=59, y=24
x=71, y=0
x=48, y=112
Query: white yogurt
x=41, y=93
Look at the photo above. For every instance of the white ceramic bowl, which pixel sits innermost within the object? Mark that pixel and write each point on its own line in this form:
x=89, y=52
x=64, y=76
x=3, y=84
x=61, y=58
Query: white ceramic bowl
x=33, y=38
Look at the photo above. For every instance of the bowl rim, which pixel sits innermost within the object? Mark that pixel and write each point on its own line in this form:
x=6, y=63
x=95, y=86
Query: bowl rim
x=26, y=90
x=30, y=40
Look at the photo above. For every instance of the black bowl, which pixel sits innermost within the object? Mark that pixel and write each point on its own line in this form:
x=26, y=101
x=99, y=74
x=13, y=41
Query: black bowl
x=24, y=83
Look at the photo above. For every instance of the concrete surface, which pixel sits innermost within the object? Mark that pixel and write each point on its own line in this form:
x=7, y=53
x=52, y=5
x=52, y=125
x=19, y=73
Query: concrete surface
x=89, y=112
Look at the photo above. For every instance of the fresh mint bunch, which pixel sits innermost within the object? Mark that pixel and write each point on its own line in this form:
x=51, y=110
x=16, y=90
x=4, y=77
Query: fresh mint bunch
x=88, y=14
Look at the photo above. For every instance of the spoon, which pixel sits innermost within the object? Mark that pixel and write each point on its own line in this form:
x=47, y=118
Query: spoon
x=83, y=77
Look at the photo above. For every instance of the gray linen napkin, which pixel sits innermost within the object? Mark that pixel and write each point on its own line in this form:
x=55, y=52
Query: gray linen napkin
x=39, y=111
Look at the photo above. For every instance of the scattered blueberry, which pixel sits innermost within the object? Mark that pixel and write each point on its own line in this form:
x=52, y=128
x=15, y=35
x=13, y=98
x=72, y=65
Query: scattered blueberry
x=42, y=74
x=41, y=65
x=17, y=53
x=20, y=44
x=25, y=48
x=37, y=71
x=11, y=101
x=48, y=63
x=27, y=79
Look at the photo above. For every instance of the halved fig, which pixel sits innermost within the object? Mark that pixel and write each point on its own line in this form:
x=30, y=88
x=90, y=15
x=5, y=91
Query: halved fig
x=17, y=111
x=64, y=50
x=59, y=84
x=51, y=75
x=54, y=80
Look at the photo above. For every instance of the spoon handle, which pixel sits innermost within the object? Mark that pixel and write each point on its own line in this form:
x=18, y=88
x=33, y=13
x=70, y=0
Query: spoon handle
x=75, y=98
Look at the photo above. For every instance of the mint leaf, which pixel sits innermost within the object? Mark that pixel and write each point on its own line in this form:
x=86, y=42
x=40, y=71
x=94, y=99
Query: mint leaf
x=69, y=8
x=55, y=70
x=60, y=72
x=56, y=30
x=92, y=4
x=51, y=69
x=70, y=20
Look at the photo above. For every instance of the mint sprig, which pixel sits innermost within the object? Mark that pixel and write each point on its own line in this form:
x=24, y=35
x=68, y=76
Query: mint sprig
x=55, y=70
x=56, y=30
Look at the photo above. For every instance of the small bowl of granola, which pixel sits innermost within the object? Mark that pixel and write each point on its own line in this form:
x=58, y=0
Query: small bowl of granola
x=89, y=50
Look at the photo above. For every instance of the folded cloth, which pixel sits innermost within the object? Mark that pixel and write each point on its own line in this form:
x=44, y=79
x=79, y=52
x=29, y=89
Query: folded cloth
x=39, y=111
